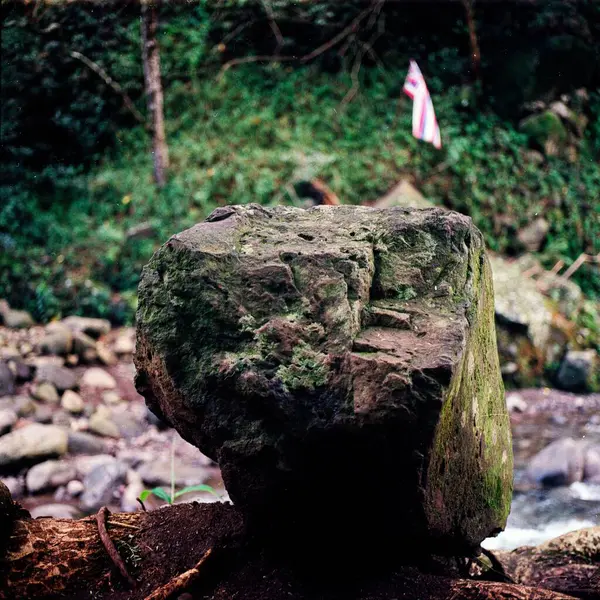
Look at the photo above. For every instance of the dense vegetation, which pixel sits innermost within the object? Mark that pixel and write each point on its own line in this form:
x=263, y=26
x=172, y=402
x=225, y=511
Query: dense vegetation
x=77, y=171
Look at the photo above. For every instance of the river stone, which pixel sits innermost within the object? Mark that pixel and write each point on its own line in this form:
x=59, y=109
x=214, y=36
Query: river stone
x=61, y=377
x=72, y=402
x=14, y=319
x=87, y=325
x=46, y=392
x=98, y=378
x=7, y=380
x=560, y=463
x=8, y=418
x=49, y=475
x=100, y=485
x=577, y=369
x=32, y=443
x=259, y=341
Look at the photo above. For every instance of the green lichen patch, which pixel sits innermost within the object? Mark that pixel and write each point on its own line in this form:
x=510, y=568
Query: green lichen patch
x=307, y=370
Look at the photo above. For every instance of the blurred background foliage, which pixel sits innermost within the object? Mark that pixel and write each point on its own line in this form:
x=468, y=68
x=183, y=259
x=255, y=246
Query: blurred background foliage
x=77, y=168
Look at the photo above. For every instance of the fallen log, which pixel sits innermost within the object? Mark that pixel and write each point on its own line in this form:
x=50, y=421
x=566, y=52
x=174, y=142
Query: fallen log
x=164, y=549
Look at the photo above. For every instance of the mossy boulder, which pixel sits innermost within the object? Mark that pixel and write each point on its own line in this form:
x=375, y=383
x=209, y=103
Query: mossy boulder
x=318, y=354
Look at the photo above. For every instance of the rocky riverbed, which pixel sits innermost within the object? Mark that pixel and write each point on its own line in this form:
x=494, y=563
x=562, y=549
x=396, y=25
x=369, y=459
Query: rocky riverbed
x=75, y=435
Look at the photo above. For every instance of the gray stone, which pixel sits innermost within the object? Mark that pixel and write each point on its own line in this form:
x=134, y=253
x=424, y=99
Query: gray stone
x=86, y=464
x=83, y=345
x=62, y=418
x=43, y=413
x=56, y=511
x=591, y=468
x=34, y=442
x=14, y=319
x=85, y=443
x=15, y=486
x=111, y=397
x=158, y=473
x=559, y=463
x=102, y=424
x=89, y=326
x=46, y=392
x=577, y=369
x=61, y=377
x=105, y=355
x=404, y=194
x=98, y=378
x=49, y=475
x=8, y=418
x=21, y=370
x=57, y=341
x=100, y=485
x=24, y=406
x=75, y=488
x=72, y=402
x=254, y=341
x=125, y=343
x=7, y=380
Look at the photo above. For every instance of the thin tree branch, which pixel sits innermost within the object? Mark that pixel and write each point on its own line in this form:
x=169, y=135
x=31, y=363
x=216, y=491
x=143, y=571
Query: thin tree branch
x=273, y=24
x=112, y=84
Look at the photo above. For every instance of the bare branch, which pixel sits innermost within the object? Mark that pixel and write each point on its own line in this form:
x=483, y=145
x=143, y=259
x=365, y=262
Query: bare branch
x=112, y=84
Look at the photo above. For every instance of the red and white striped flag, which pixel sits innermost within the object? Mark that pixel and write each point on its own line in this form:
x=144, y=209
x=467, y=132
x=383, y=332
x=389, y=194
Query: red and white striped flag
x=424, y=125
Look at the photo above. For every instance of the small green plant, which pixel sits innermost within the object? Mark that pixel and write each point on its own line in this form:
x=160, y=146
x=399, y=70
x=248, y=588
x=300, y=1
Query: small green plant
x=163, y=494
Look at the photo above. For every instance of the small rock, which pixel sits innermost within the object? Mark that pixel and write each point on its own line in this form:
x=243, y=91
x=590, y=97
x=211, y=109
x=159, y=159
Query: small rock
x=58, y=341
x=15, y=486
x=125, y=343
x=510, y=368
x=62, y=378
x=7, y=380
x=72, y=402
x=74, y=488
x=8, y=352
x=560, y=463
x=105, y=354
x=533, y=235
x=85, y=443
x=98, y=378
x=86, y=464
x=62, y=419
x=43, y=413
x=46, y=392
x=57, y=511
x=21, y=370
x=111, y=397
x=33, y=442
x=158, y=472
x=102, y=424
x=49, y=475
x=591, y=468
x=83, y=343
x=100, y=485
x=135, y=487
x=24, y=406
x=90, y=326
x=8, y=418
x=576, y=370
x=15, y=319
x=60, y=495
x=72, y=360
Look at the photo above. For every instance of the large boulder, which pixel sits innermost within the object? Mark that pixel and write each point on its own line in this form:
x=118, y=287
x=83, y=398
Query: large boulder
x=309, y=351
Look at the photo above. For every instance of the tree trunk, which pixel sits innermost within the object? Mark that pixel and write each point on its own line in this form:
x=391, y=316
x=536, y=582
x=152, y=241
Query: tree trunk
x=475, y=52
x=154, y=92
x=163, y=549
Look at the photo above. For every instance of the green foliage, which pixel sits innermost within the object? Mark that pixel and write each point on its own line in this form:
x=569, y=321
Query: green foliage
x=162, y=494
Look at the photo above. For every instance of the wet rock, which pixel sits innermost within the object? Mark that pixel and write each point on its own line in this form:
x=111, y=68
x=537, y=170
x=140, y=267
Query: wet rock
x=591, y=467
x=57, y=511
x=49, y=475
x=8, y=418
x=75, y=488
x=560, y=463
x=15, y=486
x=58, y=341
x=72, y=402
x=7, y=380
x=89, y=326
x=98, y=378
x=100, y=485
x=14, y=319
x=61, y=377
x=279, y=298
x=533, y=235
x=102, y=424
x=46, y=392
x=577, y=369
x=32, y=443
x=85, y=443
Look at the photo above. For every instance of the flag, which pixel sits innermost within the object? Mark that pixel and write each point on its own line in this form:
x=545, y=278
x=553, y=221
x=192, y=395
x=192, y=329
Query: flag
x=425, y=126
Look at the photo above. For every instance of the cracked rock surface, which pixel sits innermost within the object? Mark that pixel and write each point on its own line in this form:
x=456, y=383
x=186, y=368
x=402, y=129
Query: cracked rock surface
x=307, y=351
